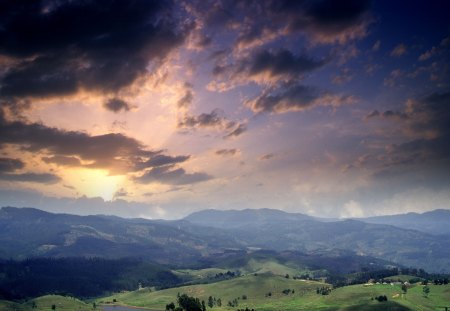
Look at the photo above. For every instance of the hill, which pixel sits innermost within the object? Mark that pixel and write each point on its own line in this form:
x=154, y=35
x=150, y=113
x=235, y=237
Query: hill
x=267, y=292
x=242, y=218
x=279, y=230
x=26, y=232
x=434, y=222
x=45, y=303
x=29, y=232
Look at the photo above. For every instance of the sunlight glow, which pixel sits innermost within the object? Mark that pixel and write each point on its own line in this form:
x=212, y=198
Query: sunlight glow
x=95, y=182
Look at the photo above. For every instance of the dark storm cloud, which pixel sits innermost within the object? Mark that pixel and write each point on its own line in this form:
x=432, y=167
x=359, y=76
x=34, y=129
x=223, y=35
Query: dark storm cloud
x=171, y=176
x=293, y=98
x=267, y=66
x=60, y=47
x=104, y=150
x=326, y=18
x=116, y=104
x=259, y=22
x=115, y=152
x=43, y=178
x=296, y=97
x=10, y=165
x=283, y=62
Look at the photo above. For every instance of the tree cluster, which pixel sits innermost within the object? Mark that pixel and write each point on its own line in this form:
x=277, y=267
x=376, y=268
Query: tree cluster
x=323, y=290
x=288, y=291
x=212, y=302
x=187, y=303
x=79, y=277
x=381, y=298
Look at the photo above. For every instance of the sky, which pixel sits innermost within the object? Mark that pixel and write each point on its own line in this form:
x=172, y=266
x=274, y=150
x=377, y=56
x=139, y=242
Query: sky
x=157, y=109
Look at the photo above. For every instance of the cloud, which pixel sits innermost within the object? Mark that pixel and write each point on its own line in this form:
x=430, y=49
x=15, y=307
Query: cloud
x=161, y=160
x=264, y=67
x=117, y=153
x=10, y=165
x=426, y=135
x=171, y=176
x=435, y=50
x=187, y=98
x=43, y=178
x=328, y=21
x=213, y=120
x=296, y=98
x=267, y=156
x=116, y=105
x=66, y=46
x=344, y=76
x=258, y=23
x=399, y=50
x=227, y=152
x=388, y=114
x=239, y=130
x=376, y=46
x=393, y=77
x=120, y=193
x=63, y=160
x=282, y=63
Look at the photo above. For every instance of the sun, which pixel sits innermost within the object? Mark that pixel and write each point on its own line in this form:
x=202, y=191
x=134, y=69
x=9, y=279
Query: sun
x=95, y=182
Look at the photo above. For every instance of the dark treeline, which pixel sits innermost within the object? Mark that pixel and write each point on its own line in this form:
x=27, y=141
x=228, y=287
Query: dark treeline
x=390, y=275
x=79, y=277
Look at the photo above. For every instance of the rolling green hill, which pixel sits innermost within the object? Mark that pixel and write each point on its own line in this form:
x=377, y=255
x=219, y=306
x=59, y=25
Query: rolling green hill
x=303, y=295
x=45, y=303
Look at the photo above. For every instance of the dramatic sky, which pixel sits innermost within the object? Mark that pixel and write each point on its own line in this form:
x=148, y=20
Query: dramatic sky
x=157, y=108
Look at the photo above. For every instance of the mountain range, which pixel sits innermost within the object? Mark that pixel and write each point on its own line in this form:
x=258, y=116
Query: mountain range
x=408, y=240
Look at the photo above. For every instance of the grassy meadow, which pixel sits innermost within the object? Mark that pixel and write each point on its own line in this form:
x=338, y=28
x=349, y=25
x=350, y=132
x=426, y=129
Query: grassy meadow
x=302, y=296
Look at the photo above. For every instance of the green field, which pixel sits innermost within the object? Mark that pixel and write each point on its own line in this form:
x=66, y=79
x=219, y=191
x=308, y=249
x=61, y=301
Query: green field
x=45, y=303
x=257, y=287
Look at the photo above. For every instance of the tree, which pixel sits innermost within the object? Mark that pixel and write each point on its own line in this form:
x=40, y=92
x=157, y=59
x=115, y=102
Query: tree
x=210, y=302
x=219, y=302
x=426, y=291
x=53, y=307
x=190, y=303
x=170, y=306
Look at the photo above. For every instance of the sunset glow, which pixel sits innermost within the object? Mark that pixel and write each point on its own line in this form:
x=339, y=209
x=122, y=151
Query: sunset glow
x=166, y=108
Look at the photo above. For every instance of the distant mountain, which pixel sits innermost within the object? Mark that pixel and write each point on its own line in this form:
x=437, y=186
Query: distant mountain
x=434, y=222
x=26, y=232
x=29, y=232
x=241, y=218
x=278, y=230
